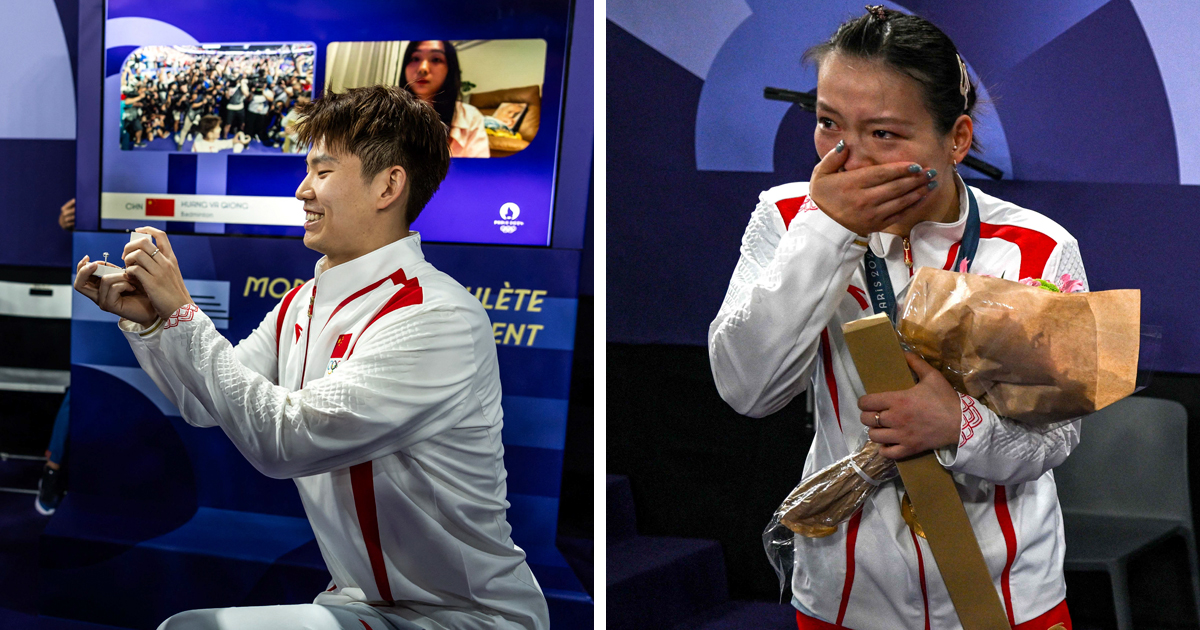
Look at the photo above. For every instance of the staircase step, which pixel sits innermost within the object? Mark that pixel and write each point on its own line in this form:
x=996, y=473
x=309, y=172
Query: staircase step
x=580, y=555
x=737, y=615
x=622, y=520
x=654, y=582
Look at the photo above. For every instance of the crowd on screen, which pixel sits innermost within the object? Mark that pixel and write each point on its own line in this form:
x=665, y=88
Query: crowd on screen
x=235, y=96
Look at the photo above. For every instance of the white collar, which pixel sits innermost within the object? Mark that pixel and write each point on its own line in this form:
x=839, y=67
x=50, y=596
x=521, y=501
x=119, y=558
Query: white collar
x=342, y=281
x=940, y=236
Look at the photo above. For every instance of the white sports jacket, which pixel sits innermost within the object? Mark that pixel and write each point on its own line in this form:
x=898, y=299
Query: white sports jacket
x=382, y=401
x=779, y=332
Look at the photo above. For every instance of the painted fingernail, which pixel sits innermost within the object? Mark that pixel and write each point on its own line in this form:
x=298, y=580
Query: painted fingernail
x=914, y=168
x=933, y=184
x=931, y=173
x=841, y=145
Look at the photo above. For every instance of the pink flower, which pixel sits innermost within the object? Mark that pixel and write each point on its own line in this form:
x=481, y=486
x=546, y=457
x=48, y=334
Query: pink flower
x=1067, y=284
x=1031, y=282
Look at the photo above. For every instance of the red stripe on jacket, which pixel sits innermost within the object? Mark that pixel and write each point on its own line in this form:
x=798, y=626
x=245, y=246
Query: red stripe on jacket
x=1035, y=247
x=951, y=256
x=921, y=569
x=362, y=481
x=408, y=295
x=830, y=381
x=859, y=295
x=1010, y=542
x=283, y=309
x=851, y=539
x=396, y=277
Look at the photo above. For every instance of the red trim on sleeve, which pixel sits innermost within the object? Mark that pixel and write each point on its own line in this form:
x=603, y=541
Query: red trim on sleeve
x=184, y=313
x=283, y=309
x=1010, y=541
x=365, y=625
x=789, y=208
x=827, y=361
x=971, y=419
x=851, y=539
x=1035, y=247
x=362, y=481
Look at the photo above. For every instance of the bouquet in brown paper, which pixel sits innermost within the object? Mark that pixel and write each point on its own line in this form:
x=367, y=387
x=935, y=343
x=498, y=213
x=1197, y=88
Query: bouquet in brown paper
x=1029, y=350
x=1032, y=355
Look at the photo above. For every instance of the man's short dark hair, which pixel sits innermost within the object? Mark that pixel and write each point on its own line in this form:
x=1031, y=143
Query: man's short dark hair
x=207, y=124
x=383, y=127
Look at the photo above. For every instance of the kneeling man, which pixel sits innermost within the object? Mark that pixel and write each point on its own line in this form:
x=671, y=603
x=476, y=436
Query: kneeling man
x=374, y=386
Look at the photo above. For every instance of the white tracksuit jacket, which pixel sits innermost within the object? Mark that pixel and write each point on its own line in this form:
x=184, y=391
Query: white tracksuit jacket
x=800, y=277
x=395, y=446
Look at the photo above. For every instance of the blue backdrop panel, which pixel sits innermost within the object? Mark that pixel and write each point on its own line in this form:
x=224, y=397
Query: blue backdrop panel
x=37, y=177
x=161, y=507
x=1091, y=109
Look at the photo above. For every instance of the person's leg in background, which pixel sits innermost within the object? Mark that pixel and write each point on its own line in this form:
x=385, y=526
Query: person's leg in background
x=189, y=119
x=51, y=486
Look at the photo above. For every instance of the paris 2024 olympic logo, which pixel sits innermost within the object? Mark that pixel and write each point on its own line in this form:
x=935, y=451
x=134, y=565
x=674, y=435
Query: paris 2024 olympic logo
x=508, y=218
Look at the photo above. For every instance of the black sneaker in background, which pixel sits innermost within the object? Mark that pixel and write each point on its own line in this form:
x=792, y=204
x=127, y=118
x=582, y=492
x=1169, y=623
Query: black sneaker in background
x=50, y=491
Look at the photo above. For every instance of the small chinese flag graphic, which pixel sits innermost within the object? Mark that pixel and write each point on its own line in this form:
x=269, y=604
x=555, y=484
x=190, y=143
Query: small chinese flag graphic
x=160, y=207
x=342, y=345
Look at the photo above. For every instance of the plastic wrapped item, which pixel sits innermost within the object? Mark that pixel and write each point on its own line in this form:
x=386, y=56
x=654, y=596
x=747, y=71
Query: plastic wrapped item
x=824, y=500
x=829, y=497
x=1029, y=354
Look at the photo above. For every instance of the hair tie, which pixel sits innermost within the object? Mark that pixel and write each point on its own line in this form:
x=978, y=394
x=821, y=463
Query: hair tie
x=878, y=11
x=964, y=82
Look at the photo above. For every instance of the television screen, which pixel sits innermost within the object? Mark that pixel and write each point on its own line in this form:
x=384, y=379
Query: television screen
x=197, y=129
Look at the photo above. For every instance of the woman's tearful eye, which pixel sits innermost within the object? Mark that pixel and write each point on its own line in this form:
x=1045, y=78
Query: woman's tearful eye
x=825, y=123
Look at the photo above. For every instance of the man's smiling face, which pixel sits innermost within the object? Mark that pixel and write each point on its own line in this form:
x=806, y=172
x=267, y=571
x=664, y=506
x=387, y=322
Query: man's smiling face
x=340, y=214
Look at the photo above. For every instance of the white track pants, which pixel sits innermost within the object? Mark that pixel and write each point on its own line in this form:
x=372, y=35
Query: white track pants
x=294, y=617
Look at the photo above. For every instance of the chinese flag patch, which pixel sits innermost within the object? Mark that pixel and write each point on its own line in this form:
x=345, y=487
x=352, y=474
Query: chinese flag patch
x=160, y=207
x=342, y=345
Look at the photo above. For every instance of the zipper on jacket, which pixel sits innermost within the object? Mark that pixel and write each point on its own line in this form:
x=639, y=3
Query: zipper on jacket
x=908, y=258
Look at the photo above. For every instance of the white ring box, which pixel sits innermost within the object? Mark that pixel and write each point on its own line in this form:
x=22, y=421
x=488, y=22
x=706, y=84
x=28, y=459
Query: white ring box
x=105, y=270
